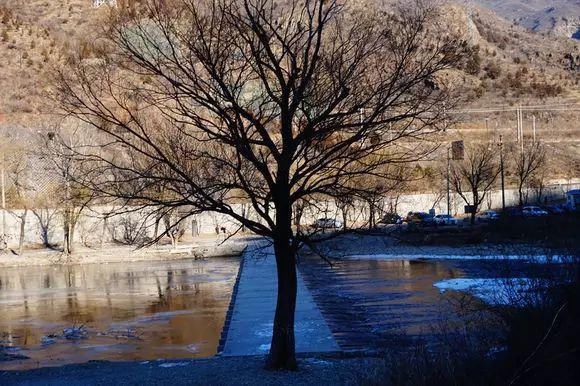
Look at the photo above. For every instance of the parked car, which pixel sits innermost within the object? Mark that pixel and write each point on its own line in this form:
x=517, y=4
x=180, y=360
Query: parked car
x=327, y=223
x=391, y=218
x=556, y=209
x=487, y=216
x=513, y=212
x=420, y=218
x=533, y=211
x=445, y=219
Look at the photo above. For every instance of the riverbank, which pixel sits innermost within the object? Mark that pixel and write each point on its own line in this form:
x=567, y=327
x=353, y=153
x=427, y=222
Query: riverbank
x=202, y=248
x=321, y=370
x=371, y=246
x=349, y=245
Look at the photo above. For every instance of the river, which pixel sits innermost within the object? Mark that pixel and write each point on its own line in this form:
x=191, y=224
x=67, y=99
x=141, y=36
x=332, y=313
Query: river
x=122, y=311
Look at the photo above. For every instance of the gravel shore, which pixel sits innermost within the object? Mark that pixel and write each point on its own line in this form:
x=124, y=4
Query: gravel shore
x=120, y=253
x=213, y=371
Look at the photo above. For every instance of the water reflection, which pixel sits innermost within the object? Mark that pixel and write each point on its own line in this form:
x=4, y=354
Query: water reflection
x=378, y=304
x=176, y=308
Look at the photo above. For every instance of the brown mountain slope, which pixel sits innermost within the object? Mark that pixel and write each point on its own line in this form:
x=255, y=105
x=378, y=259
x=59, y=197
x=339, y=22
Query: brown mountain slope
x=558, y=17
x=33, y=37
x=508, y=64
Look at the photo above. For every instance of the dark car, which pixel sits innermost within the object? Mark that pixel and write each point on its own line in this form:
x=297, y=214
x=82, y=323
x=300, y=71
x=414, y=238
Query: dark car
x=421, y=219
x=513, y=212
x=487, y=216
x=555, y=209
x=391, y=218
x=327, y=223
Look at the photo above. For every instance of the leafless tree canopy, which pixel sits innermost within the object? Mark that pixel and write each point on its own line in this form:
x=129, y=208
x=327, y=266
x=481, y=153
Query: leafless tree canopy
x=207, y=103
x=528, y=165
x=473, y=177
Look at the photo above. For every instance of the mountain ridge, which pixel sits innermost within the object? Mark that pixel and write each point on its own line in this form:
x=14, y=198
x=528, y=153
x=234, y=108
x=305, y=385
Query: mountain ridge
x=556, y=17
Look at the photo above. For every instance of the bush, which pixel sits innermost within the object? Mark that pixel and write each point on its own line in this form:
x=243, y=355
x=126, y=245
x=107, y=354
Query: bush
x=492, y=70
x=534, y=343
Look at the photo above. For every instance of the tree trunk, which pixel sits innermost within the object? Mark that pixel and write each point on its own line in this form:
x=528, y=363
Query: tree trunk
x=66, y=233
x=68, y=230
x=283, y=347
x=173, y=240
x=72, y=227
x=22, y=229
x=371, y=215
x=476, y=204
x=103, y=231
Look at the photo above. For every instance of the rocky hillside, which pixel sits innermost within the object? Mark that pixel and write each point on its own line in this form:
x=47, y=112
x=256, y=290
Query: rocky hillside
x=34, y=35
x=508, y=63
x=512, y=65
x=556, y=17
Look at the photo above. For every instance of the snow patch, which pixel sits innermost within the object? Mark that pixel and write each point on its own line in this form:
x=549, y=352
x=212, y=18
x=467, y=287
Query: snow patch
x=499, y=291
x=530, y=258
x=174, y=364
x=314, y=361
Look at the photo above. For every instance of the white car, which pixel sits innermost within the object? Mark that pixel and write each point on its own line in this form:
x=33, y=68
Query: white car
x=445, y=219
x=327, y=223
x=533, y=211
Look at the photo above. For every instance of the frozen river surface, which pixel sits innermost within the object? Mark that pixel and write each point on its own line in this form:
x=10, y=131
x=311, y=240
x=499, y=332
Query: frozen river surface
x=176, y=309
x=123, y=311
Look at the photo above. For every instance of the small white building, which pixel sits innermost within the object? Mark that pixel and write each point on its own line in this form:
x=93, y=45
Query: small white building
x=110, y=3
x=573, y=199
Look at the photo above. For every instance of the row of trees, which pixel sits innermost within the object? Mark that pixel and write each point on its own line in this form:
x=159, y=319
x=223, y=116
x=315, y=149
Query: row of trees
x=474, y=177
x=39, y=180
x=42, y=177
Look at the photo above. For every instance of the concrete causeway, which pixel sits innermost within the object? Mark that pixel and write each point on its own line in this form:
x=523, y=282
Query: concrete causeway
x=249, y=331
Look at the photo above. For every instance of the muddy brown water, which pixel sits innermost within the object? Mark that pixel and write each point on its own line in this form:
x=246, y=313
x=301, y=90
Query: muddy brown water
x=176, y=309
x=128, y=311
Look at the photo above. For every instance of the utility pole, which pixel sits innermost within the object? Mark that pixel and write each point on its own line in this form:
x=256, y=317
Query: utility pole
x=3, y=185
x=518, y=123
x=534, y=126
x=502, y=172
x=448, y=181
x=521, y=129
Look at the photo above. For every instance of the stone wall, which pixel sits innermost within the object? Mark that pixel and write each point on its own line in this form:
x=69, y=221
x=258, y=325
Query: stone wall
x=93, y=229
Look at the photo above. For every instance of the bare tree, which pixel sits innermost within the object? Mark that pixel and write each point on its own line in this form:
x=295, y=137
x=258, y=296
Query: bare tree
x=174, y=226
x=473, y=177
x=345, y=205
x=17, y=190
x=374, y=191
x=45, y=214
x=528, y=165
x=60, y=148
x=18, y=174
x=227, y=100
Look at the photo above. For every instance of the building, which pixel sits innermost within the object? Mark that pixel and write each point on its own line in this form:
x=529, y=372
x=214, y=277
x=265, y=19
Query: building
x=573, y=199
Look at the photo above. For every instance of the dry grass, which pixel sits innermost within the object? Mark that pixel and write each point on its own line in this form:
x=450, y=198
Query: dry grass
x=535, y=343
